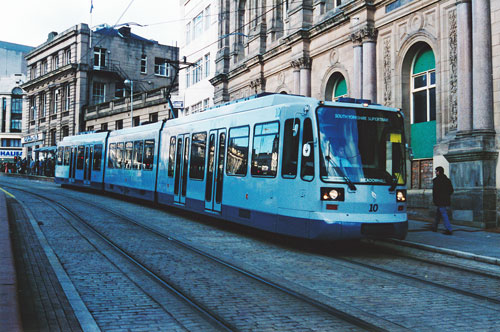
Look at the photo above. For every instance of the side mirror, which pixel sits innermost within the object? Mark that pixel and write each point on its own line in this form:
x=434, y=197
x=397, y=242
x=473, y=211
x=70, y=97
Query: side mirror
x=306, y=150
x=295, y=129
x=409, y=150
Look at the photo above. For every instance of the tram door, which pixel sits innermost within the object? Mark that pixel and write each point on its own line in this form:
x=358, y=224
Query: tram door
x=72, y=163
x=215, y=169
x=87, y=165
x=181, y=168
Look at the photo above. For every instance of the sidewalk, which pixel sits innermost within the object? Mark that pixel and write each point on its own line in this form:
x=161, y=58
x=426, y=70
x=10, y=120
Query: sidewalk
x=9, y=310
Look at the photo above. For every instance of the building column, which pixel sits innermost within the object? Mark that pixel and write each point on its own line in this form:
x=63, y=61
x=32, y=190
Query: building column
x=357, y=77
x=369, y=71
x=464, y=67
x=296, y=77
x=473, y=155
x=305, y=76
x=482, y=67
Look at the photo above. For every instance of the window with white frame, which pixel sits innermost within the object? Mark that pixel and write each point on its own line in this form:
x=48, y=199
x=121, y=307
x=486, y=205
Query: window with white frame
x=44, y=67
x=67, y=97
x=98, y=92
x=188, y=78
x=206, y=103
x=161, y=67
x=99, y=57
x=208, y=17
x=198, y=71
x=43, y=101
x=188, y=33
x=207, y=65
x=144, y=64
x=32, y=107
x=67, y=56
x=198, y=26
x=55, y=61
x=423, y=87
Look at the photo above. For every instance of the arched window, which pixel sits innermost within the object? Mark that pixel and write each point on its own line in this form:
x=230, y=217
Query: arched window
x=336, y=87
x=423, y=87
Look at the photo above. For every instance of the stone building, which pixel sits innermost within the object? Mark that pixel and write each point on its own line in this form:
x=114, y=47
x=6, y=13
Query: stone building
x=433, y=59
x=82, y=68
x=12, y=75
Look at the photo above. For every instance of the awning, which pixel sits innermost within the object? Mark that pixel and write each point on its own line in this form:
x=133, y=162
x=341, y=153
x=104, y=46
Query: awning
x=47, y=149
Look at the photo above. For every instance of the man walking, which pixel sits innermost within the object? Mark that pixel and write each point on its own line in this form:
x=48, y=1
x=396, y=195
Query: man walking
x=441, y=192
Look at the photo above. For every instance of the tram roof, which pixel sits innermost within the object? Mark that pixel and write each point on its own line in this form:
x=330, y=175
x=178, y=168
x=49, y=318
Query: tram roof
x=133, y=130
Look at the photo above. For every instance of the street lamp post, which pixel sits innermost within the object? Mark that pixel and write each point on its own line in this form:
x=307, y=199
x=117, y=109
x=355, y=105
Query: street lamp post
x=131, y=83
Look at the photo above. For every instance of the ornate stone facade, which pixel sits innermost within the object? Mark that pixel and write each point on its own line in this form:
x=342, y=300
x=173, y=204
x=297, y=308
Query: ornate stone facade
x=374, y=47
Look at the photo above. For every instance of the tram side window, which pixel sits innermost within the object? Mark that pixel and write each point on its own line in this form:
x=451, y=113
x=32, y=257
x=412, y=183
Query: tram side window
x=129, y=146
x=112, y=155
x=67, y=154
x=237, y=151
x=171, y=157
x=307, y=164
x=198, y=149
x=265, y=149
x=290, y=148
x=138, y=151
x=149, y=154
x=120, y=155
x=96, y=163
x=60, y=152
x=80, y=156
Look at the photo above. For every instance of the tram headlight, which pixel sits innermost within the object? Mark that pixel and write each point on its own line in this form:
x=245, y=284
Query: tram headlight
x=400, y=196
x=332, y=194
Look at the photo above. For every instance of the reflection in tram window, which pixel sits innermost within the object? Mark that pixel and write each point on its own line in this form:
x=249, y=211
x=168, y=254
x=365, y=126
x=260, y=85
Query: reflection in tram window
x=237, y=151
x=307, y=164
x=128, y=154
x=149, y=152
x=60, y=151
x=265, y=149
x=120, y=155
x=137, y=160
x=290, y=148
x=171, y=157
x=197, y=163
x=97, y=157
x=67, y=154
x=112, y=155
x=80, y=156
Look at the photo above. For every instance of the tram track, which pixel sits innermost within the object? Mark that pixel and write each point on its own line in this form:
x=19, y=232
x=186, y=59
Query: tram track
x=220, y=322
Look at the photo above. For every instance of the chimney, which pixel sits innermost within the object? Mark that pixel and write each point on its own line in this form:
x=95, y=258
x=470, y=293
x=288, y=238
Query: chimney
x=124, y=31
x=52, y=35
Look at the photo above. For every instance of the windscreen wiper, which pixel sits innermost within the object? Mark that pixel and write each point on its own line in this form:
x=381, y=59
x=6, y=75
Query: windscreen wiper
x=342, y=173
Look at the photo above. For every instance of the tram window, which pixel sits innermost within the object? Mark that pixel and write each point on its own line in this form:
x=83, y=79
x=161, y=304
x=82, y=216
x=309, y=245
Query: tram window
x=67, y=154
x=290, y=148
x=112, y=155
x=120, y=155
x=129, y=147
x=307, y=164
x=96, y=163
x=198, y=149
x=265, y=149
x=149, y=154
x=237, y=151
x=80, y=156
x=60, y=152
x=138, y=152
x=171, y=157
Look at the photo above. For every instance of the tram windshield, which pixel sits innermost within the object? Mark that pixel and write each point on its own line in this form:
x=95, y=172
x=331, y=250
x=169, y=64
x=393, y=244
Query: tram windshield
x=361, y=146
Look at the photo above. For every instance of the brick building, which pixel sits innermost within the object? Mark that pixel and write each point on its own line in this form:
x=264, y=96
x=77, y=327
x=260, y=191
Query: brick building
x=80, y=69
x=437, y=60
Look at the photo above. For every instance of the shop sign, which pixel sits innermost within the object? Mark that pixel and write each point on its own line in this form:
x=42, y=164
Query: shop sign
x=10, y=153
x=32, y=138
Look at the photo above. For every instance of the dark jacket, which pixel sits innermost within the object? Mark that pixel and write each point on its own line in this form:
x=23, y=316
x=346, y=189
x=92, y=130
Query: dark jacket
x=441, y=190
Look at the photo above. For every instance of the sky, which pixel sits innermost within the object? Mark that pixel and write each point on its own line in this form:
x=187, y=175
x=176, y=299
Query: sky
x=28, y=22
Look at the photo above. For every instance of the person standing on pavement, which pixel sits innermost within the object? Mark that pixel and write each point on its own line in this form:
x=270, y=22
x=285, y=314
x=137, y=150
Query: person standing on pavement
x=441, y=196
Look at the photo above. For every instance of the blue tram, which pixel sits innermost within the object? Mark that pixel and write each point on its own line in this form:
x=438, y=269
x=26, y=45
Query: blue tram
x=286, y=164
